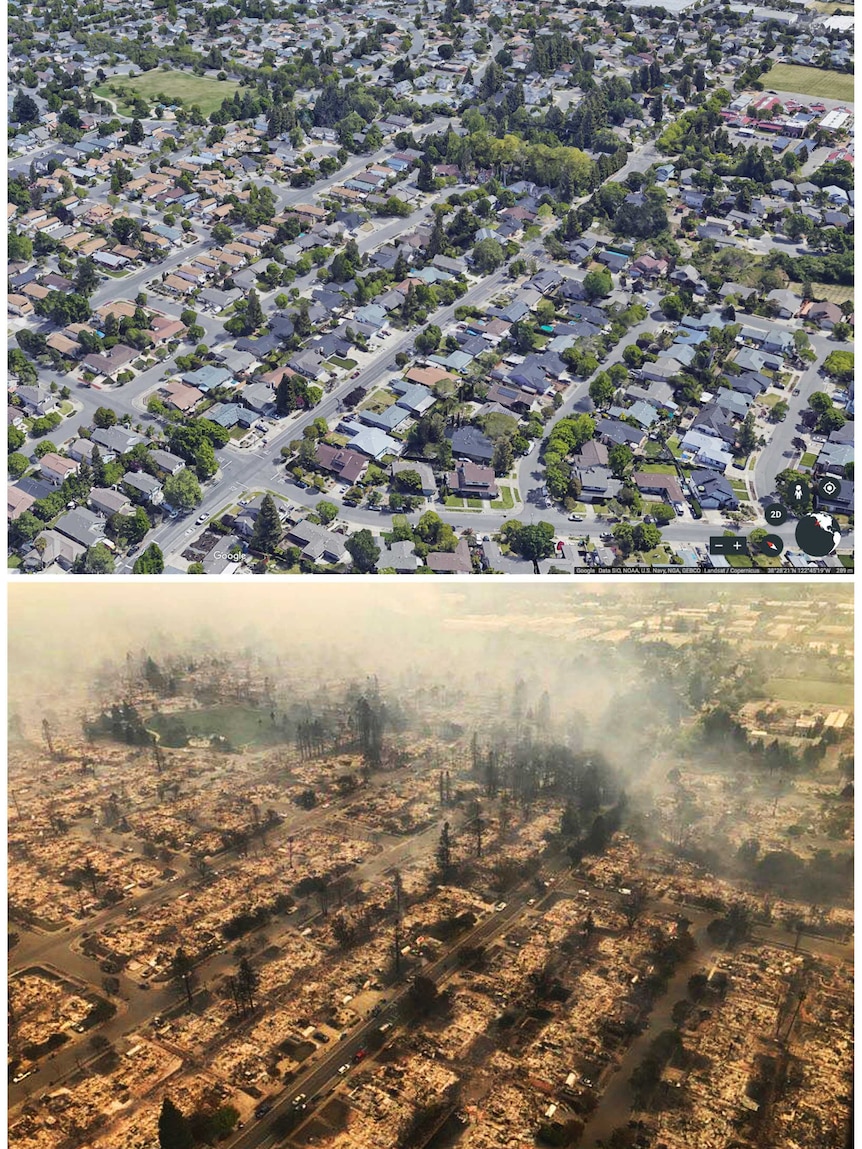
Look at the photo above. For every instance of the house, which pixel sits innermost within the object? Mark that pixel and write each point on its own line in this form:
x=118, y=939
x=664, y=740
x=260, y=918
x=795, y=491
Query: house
x=597, y=483
x=37, y=401
x=17, y=502
x=107, y=501
x=712, y=490
x=470, y=443
x=401, y=557
x=116, y=440
x=166, y=463
x=825, y=315
x=706, y=449
x=665, y=486
x=614, y=431
x=316, y=543
x=180, y=397
x=426, y=475
x=145, y=485
x=349, y=466
x=787, y=302
x=648, y=267
x=388, y=420
x=472, y=480
x=82, y=526
x=56, y=469
x=458, y=561
x=50, y=547
x=110, y=362
x=371, y=441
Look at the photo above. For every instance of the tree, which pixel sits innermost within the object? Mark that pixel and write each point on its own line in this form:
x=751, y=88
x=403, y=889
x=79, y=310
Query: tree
x=98, y=560
x=598, y=284
x=503, y=457
x=673, y=306
x=839, y=365
x=267, y=527
x=602, y=389
x=104, y=417
x=620, y=458
x=136, y=132
x=25, y=110
x=183, y=491
x=663, y=513
x=646, y=537
x=152, y=561
x=174, y=1129
x=535, y=542
x=487, y=255
x=428, y=339
x=747, y=434
x=364, y=551
x=624, y=537
x=182, y=971
x=326, y=511
x=17, y=464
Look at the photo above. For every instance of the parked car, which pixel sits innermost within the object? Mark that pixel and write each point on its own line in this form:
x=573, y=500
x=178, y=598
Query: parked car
x=263, y=1109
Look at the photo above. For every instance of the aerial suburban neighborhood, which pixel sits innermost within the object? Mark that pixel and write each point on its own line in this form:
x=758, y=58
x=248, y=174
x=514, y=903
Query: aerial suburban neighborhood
x=465, y=896
x=446, y=287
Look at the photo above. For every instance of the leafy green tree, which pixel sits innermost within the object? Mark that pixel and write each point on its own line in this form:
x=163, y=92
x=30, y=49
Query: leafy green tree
x=602, y=389
x=624, y=537
x=487, y=255
x=183, y=491
x=673, y=306
x=663, y=513
x=97, y=560
x=839, y=365
x=428, y=339
x=535, y=542
x=364, y=551
x=620, y=458
x=646, y=537
x=598, y=284
x=17, y=464
x=326, y=511
x=152, y=561
x=104, y=417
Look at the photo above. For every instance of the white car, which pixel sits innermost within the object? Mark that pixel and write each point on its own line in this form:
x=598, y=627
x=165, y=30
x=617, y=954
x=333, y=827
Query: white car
x=201, y=519
x=500, y=906
x=342, y=1069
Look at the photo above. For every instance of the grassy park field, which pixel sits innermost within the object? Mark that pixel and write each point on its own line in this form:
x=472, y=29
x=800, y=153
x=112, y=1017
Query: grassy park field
x=175, y=86
x=810, y=81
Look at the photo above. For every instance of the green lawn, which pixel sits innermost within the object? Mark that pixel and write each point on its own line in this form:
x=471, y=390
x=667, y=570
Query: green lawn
x=505, y=501
x=240, y=724
x=174, y=86
x=810, y=81
x=739, y=487
x=660, y=556
x=808, y=459
x=658, y=469
x=13, y=561
x=454, y=501
x=476, y=504
x=810, y=691
x=347, y=364
x=673, y=445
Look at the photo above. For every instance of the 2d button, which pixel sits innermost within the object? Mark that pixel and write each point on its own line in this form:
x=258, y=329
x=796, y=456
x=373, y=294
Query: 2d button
x=775, y=514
